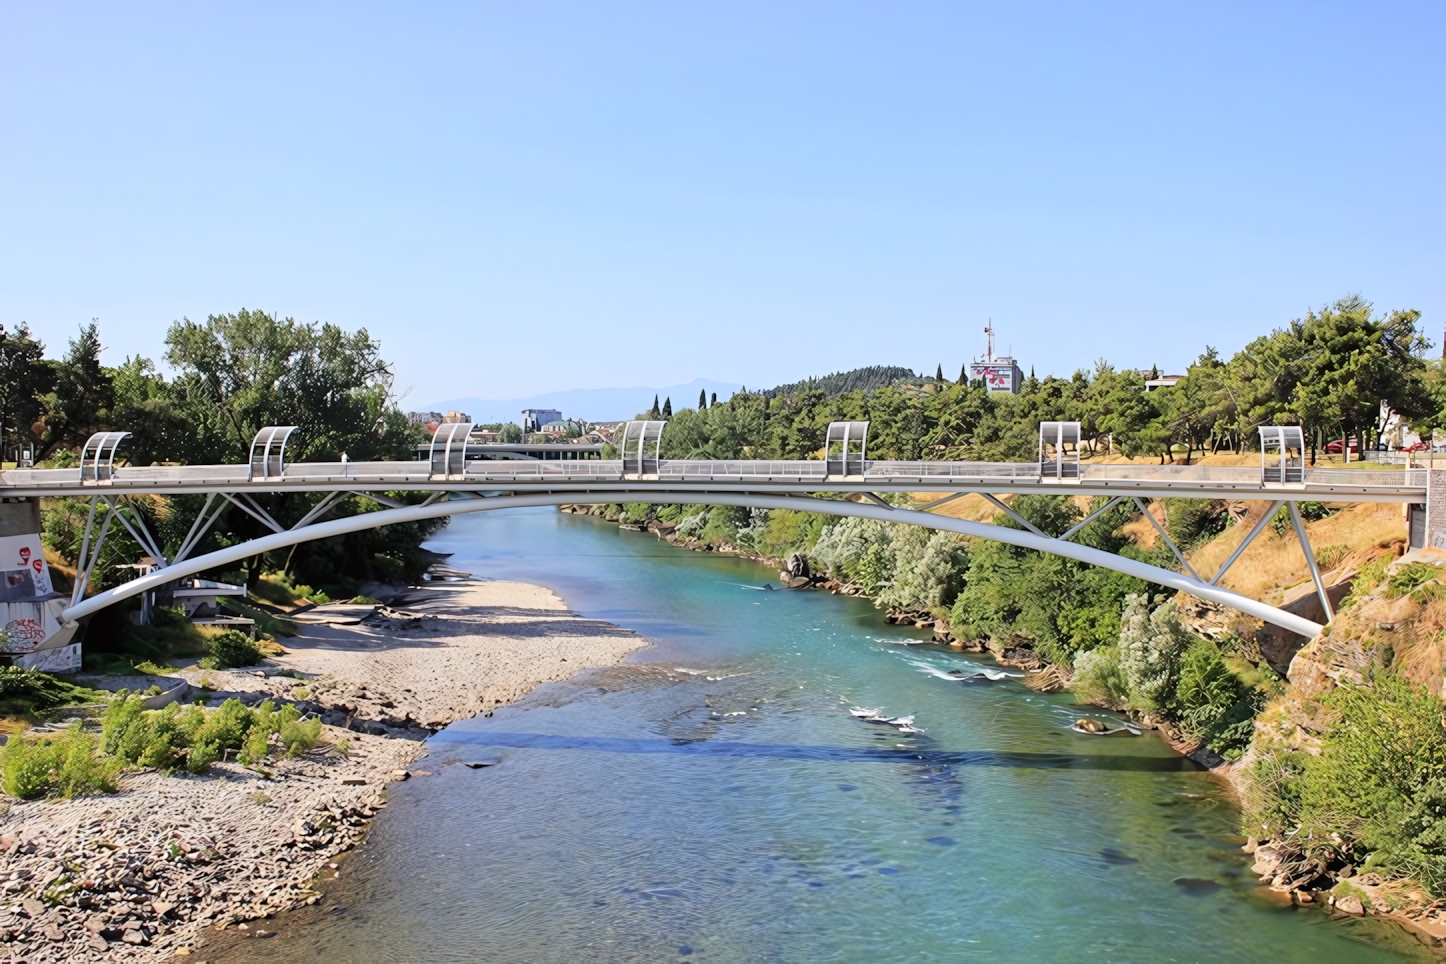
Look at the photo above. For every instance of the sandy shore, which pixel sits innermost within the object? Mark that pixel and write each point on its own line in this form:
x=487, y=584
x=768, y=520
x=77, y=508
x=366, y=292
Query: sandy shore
x=136, y=875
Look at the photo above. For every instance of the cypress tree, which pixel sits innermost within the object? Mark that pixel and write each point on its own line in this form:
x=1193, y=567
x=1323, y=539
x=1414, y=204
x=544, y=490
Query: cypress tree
x=668, y=407
x=714, y=400
x=653, y=412
x=939, y=374
x=702, y=399
x=964, y=374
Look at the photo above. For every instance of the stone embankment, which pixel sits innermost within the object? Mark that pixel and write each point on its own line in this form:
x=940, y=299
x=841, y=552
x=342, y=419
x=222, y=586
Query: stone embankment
x=140, y=874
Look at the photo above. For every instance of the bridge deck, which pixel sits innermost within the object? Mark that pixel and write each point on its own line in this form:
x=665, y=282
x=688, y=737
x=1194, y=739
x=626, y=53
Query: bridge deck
x=598, y=476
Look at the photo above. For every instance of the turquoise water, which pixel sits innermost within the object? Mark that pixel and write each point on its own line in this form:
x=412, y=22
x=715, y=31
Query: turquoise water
x=713, y=800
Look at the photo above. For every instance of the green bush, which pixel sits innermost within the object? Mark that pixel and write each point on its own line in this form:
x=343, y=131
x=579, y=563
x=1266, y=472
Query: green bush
x=1408, y=579
x=257, y=742
x=26, y=691
x=1379, y=778
x=1098, y=679
x=71, y=765
x=201, y=756
x=1152, y=645
x=232, y=649
x=298, y=736
x=1193, y=521
x=1212, y=703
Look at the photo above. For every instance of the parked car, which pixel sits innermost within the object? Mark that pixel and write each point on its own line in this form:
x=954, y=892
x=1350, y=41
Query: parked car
x=1334, y=446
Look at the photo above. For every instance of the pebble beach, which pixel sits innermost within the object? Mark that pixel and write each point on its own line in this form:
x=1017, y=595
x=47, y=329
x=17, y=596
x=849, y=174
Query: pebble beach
x=139, y=874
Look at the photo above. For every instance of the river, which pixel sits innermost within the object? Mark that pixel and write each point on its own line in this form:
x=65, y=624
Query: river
x=713, y=800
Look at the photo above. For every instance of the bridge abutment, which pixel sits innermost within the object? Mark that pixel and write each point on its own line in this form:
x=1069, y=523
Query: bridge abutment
x=1435, y=536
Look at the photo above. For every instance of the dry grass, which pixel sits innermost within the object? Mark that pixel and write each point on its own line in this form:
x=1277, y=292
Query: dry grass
x=971, y=508
x=1274, y=563
x=1414, y=633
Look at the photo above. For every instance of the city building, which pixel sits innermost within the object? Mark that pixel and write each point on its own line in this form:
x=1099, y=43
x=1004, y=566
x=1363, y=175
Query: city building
x=1161, y=381
x=534, y=418
x=424, y=418
x=999, y=373
x=456, y=417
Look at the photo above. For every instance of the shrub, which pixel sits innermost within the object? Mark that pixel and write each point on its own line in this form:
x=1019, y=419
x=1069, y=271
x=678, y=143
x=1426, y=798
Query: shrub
x=1329, y=557
x=257, y=742
x=636, y=513
x=1408, y=579
x=82, y=768
x=25, y=691
x=1098, y=679
x=25, y=767
x=119, y=715
x=300, y=736
x=1151, y=647
x=227, y=726
x=232, y=649
x=363, y=601
x=1379, y=778
x=929, y=573
x=71, y=765
x=201, y=756
x=1212, y=703
x=1192, y=521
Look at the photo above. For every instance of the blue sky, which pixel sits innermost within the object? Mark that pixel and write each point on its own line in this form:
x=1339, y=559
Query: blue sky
x=525, y=197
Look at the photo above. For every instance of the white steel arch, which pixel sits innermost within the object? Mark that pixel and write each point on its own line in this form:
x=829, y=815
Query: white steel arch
x=653, y=494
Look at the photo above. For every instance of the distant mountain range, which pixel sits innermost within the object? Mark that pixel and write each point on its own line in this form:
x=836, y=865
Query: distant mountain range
x=593, y=404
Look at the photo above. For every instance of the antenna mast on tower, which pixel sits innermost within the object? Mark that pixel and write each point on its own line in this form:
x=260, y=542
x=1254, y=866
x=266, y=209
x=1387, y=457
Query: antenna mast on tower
x=989, y=330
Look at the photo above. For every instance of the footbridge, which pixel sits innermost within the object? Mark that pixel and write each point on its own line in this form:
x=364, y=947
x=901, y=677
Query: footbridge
x=845, y=482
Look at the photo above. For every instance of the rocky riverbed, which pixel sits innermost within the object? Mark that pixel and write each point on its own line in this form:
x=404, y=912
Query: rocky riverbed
x=137, y=875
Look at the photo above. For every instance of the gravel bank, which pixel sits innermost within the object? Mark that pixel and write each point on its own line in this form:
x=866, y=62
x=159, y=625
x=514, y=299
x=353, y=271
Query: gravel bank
x=136, y=875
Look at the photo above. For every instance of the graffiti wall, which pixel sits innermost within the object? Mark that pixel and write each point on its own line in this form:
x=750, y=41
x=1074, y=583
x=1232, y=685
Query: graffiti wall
x=24, y=589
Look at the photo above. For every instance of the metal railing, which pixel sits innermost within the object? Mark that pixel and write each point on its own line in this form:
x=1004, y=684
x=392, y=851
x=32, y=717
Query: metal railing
x=417, y=474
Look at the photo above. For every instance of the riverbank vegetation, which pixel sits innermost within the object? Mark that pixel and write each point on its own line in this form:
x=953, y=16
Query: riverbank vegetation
x=80, y=761
x=1359, y=778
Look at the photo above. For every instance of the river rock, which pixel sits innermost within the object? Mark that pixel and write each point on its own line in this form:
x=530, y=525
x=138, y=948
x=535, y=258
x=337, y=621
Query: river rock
x=1267, y=860
x=1351, y=904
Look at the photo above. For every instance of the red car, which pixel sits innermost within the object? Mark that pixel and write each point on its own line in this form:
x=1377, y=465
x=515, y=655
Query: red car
x=1334, y=446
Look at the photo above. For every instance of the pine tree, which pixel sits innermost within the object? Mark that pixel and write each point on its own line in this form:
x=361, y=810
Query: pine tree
x=939, y=374
x=702, y=399
x=668, y=407
x=653, y=412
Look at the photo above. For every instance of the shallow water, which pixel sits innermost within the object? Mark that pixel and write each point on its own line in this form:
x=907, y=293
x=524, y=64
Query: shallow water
x=713, y=800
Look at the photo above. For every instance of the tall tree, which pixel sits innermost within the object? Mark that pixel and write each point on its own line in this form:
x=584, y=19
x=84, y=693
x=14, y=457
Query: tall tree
x=668, y=407
x=653, y=412
x=237, y=373
x=24, y=376
x=702, y=399
x=939, y=374
x=1359, y=370
x=79, y=404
